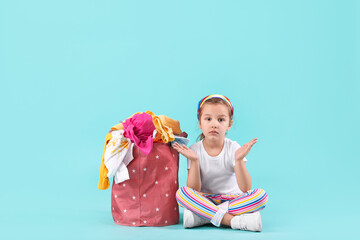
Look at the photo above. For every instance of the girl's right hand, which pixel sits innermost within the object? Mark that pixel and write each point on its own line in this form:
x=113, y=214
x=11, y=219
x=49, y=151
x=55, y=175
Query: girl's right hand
x=185, y=151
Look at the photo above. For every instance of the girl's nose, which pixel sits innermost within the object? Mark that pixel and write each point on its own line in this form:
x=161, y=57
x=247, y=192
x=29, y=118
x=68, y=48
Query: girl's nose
x=214, y=124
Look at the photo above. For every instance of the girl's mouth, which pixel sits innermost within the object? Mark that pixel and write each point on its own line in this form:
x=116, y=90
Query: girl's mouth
x=213, y=132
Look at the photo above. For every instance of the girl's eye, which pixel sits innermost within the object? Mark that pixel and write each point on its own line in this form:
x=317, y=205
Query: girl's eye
x=207, y=118
x=221, y=119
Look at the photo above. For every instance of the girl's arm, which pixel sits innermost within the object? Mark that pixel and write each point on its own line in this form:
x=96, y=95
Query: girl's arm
x=193, y=180
x=242, y=175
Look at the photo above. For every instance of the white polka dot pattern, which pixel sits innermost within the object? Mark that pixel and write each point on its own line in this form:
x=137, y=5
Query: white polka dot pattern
x=148, y=188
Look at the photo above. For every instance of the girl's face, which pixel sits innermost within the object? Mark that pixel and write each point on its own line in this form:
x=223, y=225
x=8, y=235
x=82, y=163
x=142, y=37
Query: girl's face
x=215, y=121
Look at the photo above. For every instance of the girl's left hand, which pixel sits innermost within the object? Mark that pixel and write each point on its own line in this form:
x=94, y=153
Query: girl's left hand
x=244, y=149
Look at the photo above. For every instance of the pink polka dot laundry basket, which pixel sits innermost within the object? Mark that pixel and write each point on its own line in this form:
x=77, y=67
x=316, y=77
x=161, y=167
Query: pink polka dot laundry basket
x=148, y=197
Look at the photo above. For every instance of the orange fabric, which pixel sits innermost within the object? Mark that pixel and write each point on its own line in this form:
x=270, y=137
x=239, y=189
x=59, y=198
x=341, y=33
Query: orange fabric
x=171, y=123
x=103, y=179
x=117, y=127
x=165, y=128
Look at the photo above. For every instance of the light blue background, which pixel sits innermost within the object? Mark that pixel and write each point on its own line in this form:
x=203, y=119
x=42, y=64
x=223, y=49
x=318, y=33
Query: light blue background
x=70, y=70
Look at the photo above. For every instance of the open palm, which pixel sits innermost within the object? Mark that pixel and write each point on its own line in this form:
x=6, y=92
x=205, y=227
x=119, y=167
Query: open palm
x=244, y=149
x=185, y=151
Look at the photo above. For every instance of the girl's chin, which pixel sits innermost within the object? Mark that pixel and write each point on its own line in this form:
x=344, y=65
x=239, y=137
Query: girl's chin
x=213, y=136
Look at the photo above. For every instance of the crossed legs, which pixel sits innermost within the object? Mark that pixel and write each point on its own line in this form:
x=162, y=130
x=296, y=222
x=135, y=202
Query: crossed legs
x=205, y=205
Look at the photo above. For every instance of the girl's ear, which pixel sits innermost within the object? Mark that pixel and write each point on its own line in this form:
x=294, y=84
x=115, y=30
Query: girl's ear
x=230, y=125
x=199, y=124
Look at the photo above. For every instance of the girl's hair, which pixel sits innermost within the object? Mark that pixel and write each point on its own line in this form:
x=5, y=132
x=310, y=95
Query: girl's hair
x=214, y=101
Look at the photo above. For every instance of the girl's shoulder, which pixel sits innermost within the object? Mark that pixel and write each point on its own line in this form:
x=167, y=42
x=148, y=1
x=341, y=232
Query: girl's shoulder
x=196, y=145
x=230, y=144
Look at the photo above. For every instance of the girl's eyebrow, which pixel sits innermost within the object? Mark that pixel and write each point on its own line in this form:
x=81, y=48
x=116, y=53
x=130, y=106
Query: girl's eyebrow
x=222, y=115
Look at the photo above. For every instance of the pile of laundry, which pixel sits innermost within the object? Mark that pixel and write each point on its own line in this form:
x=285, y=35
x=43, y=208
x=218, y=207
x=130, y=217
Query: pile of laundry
x=142, y=129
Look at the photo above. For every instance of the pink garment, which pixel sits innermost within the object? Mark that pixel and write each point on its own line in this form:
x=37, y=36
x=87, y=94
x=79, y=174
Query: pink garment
x=148, y=197
x=140, y=129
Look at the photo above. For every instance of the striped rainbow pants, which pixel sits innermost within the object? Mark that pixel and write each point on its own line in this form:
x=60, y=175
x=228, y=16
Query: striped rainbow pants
x=205, y=204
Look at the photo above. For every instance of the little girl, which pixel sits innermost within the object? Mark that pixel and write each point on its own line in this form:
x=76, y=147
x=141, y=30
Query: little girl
x=218, y=184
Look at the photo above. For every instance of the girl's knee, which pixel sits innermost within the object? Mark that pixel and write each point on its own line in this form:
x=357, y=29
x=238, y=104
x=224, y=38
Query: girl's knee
x=258, y=191
x=180, y=192
x=182, y=189
x=260, y=194
x=263, y=196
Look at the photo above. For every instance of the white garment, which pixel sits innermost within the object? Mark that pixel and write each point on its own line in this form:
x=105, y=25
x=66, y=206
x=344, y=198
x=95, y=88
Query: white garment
x=217, y=173
x=117, y=156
